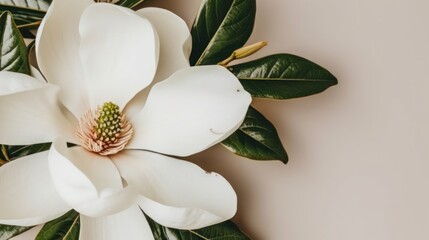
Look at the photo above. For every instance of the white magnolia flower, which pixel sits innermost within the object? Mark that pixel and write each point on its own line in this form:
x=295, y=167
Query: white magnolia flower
x=96, y=59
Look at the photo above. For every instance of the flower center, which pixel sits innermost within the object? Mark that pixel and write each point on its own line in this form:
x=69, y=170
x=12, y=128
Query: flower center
x=105, y=131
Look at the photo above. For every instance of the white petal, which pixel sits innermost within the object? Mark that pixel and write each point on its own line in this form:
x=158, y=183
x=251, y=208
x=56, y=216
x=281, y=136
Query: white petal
x=12, y=82
x=174, y=40
x=57, y=48
x=130, y=224
x=37, y=74
x=190, y=111
x=28, y=196
x=87, y=181
x=175, y=48
x=119, y=52
x=33, y=116
x=177, y=193
x=29, y=235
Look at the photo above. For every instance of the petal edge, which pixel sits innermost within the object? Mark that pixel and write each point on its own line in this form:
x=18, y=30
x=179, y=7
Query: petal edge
x=194, y=109
x=88, y=182
x=27, y=192
x=177, y=193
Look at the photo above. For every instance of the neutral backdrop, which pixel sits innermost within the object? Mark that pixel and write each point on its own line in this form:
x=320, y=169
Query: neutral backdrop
x=359, y=152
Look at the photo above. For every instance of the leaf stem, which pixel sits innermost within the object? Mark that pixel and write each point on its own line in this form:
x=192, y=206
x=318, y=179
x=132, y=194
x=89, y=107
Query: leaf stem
x=5, y=153
x=75, y=221
x=199, y=235
x=30, y=25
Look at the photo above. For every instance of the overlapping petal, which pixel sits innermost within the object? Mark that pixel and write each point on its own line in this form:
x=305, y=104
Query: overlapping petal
x=113, y=70
x=28, y=196
x=37, y=74
x=57, y=54
x=177, y=193
x=173, y=55
x=174, y=40
x=12, y=82
x=192, y=110
x=129, y=224
x=88, y=182
x=31, y=116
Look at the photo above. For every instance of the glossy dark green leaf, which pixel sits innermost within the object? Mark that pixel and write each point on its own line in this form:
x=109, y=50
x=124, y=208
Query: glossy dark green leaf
x=65, y=227
x=13, y=50
x=7, y=231
x=10, y=153
x=23, y=16
x=129, y=3
x=27, y=13
x=256, y=139
x=220, y=28
x=225, y=231
x=283, y=76
x=42, y=5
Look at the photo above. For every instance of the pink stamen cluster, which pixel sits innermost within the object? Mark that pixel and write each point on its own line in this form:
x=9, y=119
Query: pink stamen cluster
x=106, y=131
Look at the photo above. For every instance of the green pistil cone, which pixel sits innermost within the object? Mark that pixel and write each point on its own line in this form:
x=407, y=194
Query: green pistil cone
x=108, y=122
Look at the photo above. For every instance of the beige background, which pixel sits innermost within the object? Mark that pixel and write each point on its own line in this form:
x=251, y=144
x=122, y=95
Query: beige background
x=359, y=152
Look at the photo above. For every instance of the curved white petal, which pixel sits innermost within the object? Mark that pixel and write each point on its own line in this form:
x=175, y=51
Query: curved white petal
x=57, y=47
x=177, y=193
x=28, y=196
x=175, y=48
x=129, y=224
x=12, y=82
x=33, y=116
x=174, y=40
x=37, y=74
x=28, y=235
x=192, y=110
x=87, y=181
x=119, y=52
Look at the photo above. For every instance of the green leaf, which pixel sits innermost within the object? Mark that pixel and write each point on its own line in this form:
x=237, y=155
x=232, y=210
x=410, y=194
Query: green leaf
x=65, y=227
x=8, y=231
x=9, y=153
x=14, y=55
x=283, y=76
x=24, y=17
x=129, y=3
x=42, y=5
x=26, y=12
x=220, y=28
x=256, y=139
x=225, y=231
